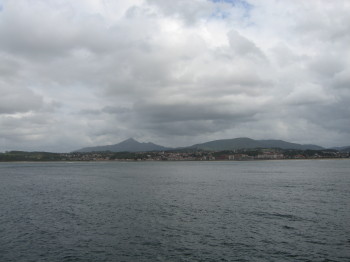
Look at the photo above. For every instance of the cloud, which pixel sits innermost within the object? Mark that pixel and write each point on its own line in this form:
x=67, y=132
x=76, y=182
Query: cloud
x=18, y=99
x=242, y=45
x=82, y=73
x=188, y=11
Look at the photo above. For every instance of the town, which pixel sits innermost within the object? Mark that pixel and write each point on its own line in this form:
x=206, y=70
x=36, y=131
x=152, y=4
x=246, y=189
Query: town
x=200, y=155
x=236, y=155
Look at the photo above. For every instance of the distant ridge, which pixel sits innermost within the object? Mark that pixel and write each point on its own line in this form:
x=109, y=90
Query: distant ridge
x=248, y=143
x=129, y=145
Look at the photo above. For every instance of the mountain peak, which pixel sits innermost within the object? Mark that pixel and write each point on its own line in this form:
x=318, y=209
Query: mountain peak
x=130, y=140
x=128, y=145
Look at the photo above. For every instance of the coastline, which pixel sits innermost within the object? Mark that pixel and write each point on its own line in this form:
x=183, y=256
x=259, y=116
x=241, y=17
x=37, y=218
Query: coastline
x=183, y=160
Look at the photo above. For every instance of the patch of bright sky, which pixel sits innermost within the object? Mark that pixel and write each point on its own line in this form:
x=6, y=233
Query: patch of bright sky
x=221, y=13
x=237, y=3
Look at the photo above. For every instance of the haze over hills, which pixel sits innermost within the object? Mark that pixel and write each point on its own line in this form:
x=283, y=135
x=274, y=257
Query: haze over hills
x=131, y=145
x=342, y=149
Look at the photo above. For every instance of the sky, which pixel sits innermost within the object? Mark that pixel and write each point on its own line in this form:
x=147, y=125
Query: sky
x=96, y=72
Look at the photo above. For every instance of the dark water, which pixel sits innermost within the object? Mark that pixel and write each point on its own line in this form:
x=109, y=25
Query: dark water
x=175, y=211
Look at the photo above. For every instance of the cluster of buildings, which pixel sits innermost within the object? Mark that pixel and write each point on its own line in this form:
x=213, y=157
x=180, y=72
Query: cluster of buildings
x=262, y=156
x=242, y=155
x=85, y=156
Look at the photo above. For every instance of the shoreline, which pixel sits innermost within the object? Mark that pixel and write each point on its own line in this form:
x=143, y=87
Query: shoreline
x=143, y=161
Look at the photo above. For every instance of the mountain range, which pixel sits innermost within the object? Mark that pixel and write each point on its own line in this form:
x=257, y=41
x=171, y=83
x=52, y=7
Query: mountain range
x=131, y=145
x=248, y=143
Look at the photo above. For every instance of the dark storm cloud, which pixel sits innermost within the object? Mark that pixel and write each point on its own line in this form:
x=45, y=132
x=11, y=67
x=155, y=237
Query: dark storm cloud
x=189, y=112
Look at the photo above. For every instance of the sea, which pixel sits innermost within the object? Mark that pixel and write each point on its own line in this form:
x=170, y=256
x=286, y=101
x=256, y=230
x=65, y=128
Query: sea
x=284, y=210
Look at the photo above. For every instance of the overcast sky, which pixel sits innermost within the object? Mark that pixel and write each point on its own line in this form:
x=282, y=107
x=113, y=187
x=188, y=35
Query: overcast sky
x=95, y=72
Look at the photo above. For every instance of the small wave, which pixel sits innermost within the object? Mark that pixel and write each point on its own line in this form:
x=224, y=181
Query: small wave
x=278, y=215
x=288, y=227
x=70, y=258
